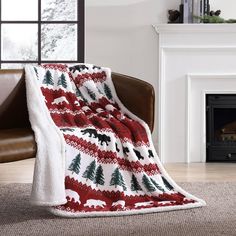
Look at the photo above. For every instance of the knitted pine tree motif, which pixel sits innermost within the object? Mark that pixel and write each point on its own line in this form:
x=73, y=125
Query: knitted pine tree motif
x=48, y=78
x=107, y=91
x=91, y=93
x=135, y=186
x=36, y=72
x=79, y=94
x=167, y=184
x=90, y=171
x=157, y=185
x=99, y=177
x=148, y=184
x=117, y=179
x=75, y=164
x=62, y=81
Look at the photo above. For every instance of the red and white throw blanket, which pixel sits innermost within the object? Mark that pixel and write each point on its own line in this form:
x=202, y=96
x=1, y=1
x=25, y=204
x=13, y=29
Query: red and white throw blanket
x=94, y=157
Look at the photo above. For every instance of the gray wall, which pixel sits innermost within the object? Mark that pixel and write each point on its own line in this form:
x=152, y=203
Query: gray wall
x=119, y=35
x=227, y=7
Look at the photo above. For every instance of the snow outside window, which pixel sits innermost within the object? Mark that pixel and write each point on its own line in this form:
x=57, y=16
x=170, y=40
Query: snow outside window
x=41, y=31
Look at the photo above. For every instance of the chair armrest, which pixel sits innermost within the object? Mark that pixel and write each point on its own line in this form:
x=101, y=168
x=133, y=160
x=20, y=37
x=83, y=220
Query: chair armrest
x=137, y=95
x=13, y=110
x=17, y=144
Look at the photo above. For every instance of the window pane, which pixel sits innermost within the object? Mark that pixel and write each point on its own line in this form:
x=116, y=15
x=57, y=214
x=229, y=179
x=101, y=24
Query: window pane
x=58, y=42
x=54, y=10
x=14, y=65
x=19, y=9
x=19, y=41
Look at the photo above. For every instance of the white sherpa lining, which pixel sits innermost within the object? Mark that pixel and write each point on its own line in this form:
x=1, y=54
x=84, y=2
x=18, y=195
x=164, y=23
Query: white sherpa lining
x=48, y=187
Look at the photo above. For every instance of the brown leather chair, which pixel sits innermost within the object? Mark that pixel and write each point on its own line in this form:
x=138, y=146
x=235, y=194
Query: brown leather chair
x=16, y=136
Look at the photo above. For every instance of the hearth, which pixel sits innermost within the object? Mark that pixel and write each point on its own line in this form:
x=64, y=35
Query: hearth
x=221, y=127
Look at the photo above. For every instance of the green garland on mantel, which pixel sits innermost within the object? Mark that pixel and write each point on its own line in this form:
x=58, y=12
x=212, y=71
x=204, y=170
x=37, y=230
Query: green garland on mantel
x=214, y=19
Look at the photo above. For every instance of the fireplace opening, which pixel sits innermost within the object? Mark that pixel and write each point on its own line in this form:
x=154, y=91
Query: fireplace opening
x=221, y=127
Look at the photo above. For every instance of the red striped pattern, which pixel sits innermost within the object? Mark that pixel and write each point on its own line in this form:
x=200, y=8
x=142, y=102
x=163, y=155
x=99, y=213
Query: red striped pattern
x=59, y=67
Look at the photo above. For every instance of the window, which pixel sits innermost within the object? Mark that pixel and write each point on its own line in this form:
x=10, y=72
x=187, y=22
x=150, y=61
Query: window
x=41, y=31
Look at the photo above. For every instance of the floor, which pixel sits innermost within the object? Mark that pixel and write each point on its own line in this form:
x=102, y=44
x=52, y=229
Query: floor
x=22, y=172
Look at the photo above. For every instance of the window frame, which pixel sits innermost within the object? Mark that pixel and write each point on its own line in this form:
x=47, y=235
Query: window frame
x=80, y=35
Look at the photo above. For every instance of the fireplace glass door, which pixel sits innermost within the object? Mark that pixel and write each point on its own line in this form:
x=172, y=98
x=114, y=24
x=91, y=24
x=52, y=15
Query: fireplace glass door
x=221, y=127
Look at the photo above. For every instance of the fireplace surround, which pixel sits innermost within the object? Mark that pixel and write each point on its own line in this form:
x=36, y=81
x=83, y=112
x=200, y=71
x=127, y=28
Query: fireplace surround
x=194, y=60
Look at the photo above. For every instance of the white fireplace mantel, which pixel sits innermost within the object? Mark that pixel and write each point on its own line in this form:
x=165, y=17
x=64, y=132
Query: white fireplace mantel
x=194, y=28
x=192, y=58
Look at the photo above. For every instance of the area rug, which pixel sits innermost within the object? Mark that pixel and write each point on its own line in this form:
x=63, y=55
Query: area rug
x=17, y=217
x=94, y=157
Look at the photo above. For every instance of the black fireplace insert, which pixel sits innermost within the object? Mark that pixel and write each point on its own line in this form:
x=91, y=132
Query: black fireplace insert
x=221, y=127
